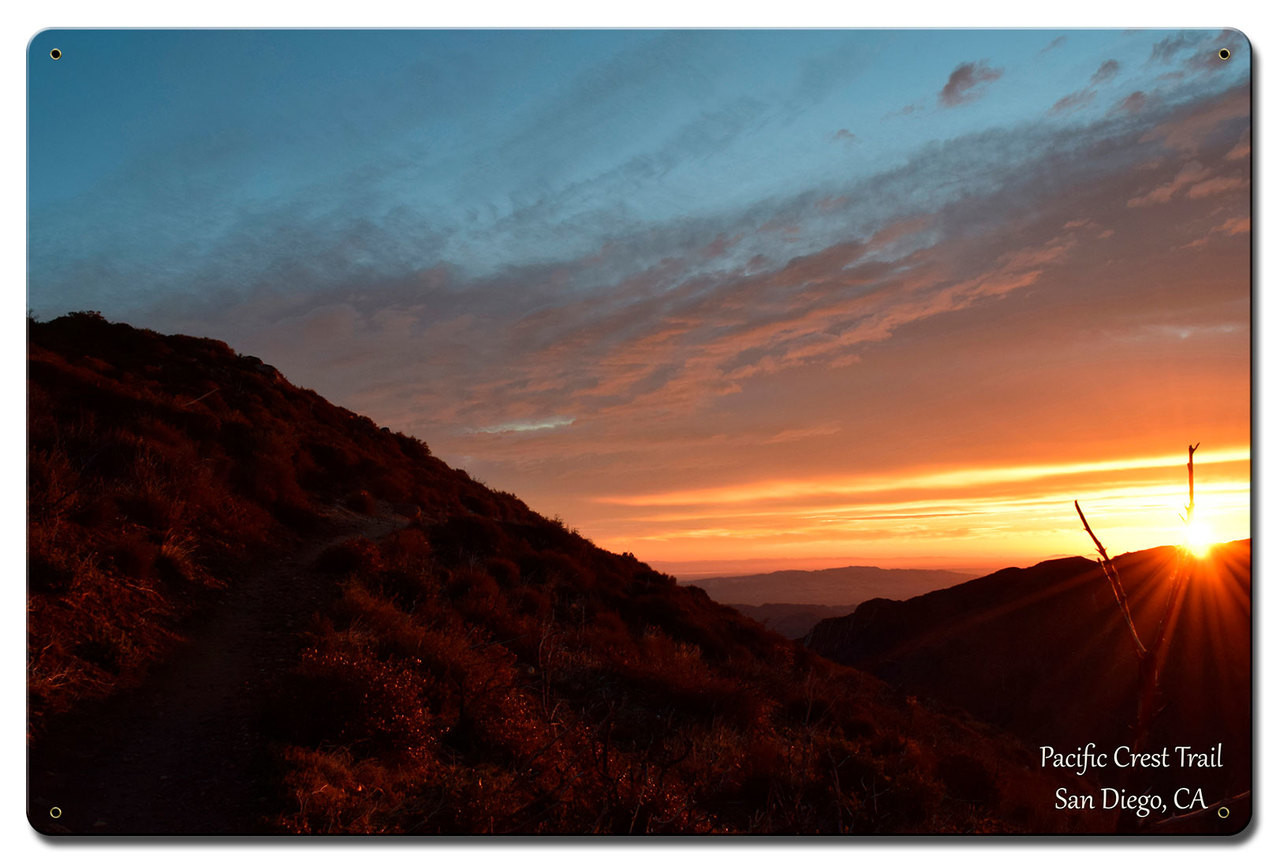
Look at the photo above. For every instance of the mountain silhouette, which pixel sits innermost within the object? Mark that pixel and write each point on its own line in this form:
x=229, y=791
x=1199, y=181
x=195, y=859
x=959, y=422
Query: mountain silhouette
x=846, y=585
x=793, y=601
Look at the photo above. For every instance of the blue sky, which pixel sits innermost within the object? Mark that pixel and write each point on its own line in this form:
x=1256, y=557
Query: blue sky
x=152, y=150
x=569, y=259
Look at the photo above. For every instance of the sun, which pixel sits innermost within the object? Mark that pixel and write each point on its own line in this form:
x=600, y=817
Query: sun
x=1198, y=539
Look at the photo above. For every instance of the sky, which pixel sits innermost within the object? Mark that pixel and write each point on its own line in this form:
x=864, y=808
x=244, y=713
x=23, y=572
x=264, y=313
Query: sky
x=718, y=298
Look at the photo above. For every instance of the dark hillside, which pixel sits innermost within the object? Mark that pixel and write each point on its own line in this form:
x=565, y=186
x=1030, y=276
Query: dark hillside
x=1044, y=652
x=158, y=467
x=326, y=629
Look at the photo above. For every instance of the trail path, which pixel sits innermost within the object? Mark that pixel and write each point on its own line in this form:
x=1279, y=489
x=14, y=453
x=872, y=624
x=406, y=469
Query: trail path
x=184, y=752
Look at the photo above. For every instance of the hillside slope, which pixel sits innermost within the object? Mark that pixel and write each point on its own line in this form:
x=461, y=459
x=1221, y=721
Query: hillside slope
x=159, y=468
x=480, y=669
x=1044, y=652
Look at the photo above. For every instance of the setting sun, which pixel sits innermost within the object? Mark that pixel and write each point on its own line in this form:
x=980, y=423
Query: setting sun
x=1198, y=539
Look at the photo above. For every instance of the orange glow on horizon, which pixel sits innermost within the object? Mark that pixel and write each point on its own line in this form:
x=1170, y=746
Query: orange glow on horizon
x=980, y=513
x=950, y=478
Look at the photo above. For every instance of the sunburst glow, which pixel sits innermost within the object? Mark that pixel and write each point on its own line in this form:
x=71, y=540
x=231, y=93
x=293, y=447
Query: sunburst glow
x=1198, y=539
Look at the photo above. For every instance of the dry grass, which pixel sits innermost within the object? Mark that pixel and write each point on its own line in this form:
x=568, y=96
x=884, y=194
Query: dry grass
x=468, y=708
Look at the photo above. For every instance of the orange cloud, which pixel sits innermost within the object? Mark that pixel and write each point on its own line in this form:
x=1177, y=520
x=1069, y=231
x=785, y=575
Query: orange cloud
x=1214, y=186
x=1233, y=226
x=953, y=478
x=1190, y=173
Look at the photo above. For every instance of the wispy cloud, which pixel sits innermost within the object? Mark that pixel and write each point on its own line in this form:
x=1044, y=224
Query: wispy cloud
x=1170, y=48
x=967, y=83
x=1080, y=98
x=1194, y=51
x=527, y=425
x=1072, y=101
x=1233, y=226
x=1215, y=186
x=1188, y=175
x=1130, y=104
x=1106, y=72
x=1055, y=42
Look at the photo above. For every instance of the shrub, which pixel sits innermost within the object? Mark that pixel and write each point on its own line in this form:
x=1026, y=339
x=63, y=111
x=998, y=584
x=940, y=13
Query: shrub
x=348, y=557
x=406, y=548
x=177, y=559
x=504, y=573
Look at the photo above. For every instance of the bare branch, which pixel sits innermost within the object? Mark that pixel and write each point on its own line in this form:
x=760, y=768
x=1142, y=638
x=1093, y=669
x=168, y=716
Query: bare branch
x=1191, y=482
x=1117, y=588
x=201, y=398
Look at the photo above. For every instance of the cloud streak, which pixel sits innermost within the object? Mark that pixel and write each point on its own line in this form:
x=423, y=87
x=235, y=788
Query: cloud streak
x=967, y=83
x=1105, y=72
x=851, y=486
x=676, y=322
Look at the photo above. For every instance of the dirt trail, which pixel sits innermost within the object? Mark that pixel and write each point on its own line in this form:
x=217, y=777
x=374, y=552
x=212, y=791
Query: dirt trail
x=184, y=752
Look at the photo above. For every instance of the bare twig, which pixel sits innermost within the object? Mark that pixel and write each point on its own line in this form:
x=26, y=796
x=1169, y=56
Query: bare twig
x=1191, y=482
x=201, y=398
x=1178, y=583
x=1113, y=577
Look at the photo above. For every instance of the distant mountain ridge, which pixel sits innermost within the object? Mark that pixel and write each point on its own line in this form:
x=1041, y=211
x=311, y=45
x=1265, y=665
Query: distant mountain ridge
x=846, y=585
